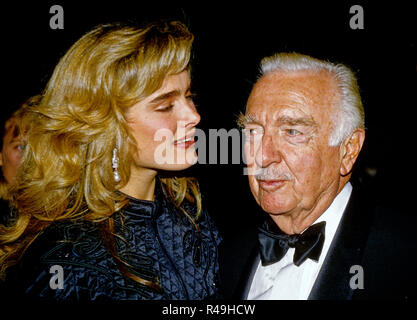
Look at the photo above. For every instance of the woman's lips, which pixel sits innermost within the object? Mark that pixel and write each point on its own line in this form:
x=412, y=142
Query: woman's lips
x=184, y=143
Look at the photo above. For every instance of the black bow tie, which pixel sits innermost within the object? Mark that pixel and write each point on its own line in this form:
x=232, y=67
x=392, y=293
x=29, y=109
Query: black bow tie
x=274, y=243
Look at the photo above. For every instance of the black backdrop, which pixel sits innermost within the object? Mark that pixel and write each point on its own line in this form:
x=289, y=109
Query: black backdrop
x=229, y=43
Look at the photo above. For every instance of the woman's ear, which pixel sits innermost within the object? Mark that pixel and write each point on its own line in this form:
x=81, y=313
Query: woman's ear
x=350, y=150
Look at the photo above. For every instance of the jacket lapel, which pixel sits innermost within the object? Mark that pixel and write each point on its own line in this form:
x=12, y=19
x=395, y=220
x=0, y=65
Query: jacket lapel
x=249, y=273
x=346, y=250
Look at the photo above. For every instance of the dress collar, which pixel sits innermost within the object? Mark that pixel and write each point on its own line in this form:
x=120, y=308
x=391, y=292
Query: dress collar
x=146, y=208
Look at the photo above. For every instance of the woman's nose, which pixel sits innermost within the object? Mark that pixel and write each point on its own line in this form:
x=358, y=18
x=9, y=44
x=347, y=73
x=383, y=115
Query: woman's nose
x=190, y=115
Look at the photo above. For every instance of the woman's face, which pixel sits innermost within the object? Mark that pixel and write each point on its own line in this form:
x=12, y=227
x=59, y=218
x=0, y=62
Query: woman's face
x=163, y=125
x=11, y=153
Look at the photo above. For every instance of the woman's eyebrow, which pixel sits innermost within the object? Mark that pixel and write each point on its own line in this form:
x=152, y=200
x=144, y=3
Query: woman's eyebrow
x=165, y=96
x=168, y=95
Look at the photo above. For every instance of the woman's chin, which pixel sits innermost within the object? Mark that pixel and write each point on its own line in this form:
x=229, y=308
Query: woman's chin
x=179, y=165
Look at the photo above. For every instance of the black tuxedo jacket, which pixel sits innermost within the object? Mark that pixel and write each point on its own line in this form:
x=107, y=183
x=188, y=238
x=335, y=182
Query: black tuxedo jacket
x=380, y=240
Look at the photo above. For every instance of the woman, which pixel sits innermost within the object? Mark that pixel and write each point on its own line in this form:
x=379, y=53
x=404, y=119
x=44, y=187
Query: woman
x=11, y=146
x=98, y=218
x=10, y=156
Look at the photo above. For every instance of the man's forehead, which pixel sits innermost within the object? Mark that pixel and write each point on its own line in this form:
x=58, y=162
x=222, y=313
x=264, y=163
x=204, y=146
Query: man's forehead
x=300, y=76
x=287, y=117
x=295, y=95
x=298, y=86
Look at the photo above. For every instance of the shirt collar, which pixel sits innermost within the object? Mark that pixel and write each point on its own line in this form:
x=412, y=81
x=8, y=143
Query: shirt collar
x=333, y=216
x=335, y=211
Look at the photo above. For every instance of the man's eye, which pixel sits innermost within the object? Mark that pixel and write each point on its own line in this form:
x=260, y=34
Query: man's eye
x=293, y=132
x=253, y=131
x=295, y=136
x=252, y=134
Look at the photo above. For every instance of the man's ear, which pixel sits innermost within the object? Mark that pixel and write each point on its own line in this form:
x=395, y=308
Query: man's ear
x=350, y=150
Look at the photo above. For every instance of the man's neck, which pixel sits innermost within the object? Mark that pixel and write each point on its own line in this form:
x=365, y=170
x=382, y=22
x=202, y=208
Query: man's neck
x=297, y=222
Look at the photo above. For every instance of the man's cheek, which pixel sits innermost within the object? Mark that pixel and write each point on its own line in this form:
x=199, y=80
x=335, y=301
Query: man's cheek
x=304, y=162
x=254, y=187
x=249, y=152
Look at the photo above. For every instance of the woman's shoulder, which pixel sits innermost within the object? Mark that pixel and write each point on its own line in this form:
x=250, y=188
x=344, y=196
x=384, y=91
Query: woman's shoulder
x=59, y=260
x=69, y=261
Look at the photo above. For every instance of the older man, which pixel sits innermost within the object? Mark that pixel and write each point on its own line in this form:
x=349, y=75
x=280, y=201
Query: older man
x=304, y=127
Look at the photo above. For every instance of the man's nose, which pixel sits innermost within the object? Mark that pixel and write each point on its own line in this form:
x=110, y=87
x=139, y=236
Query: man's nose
x=267, y=153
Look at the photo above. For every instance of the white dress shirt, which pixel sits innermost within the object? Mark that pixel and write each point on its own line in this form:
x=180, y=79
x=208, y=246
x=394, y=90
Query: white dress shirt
x=285, y=281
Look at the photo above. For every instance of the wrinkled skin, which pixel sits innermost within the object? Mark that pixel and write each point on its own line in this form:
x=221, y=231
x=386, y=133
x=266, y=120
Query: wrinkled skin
x=289, y=121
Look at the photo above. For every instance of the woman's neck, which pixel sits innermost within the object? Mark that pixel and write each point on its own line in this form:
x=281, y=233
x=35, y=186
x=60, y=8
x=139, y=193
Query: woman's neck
x=141, y=184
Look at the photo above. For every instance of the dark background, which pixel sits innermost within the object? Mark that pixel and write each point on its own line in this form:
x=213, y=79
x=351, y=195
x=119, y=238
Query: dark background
x=229, y=43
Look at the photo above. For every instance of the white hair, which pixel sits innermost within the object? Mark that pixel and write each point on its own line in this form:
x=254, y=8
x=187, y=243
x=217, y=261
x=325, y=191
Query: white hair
x=350, y=115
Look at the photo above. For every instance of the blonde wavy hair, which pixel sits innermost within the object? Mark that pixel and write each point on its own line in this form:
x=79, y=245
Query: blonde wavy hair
x=66, y=172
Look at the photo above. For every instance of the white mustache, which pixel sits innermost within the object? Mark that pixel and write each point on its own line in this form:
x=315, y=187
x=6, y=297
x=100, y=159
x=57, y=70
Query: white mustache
x=265, y=174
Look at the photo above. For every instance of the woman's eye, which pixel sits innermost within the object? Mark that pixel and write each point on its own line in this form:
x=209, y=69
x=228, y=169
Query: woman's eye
x=166, y=108
x=21, y=147
x=190, y=96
